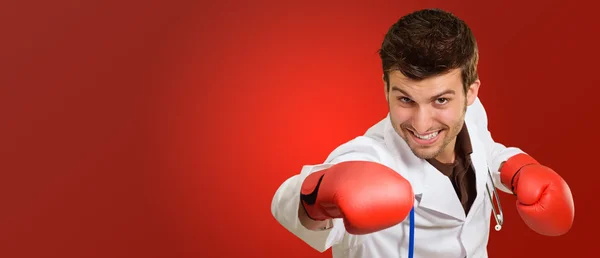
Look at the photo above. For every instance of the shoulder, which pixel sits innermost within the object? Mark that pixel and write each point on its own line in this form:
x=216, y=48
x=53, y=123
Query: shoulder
x=476, y=109
x=476, y=114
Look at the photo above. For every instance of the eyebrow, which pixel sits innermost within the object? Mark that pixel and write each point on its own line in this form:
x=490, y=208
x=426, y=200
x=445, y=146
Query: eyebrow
x=394, y=88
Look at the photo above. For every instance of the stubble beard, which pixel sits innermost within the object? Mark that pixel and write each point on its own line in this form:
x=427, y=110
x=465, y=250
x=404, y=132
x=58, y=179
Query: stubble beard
x=448, y=138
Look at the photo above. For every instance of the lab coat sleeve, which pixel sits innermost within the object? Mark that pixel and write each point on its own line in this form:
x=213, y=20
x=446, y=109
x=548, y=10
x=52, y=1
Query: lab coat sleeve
x=285, y=203
x=496, y=152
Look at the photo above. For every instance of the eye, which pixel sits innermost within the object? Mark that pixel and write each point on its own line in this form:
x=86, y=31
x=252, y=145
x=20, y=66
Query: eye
x=404, y=99
x=441, y=101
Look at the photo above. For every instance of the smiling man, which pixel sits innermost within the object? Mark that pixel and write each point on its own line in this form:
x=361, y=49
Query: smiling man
x=424, y=171
x=429, y=114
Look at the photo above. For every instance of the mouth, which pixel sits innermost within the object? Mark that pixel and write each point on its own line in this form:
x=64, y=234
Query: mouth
x=425, y=139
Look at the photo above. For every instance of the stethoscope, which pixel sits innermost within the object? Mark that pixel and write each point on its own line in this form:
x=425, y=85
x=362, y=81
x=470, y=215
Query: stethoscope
x=498, y=215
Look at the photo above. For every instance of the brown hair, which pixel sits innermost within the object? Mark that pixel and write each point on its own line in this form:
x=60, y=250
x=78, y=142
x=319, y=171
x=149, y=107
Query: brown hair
x=430, y=42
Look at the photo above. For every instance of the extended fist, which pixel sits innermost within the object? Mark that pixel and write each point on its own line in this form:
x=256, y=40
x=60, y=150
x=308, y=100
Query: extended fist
x=544, y=200
x=367, y=195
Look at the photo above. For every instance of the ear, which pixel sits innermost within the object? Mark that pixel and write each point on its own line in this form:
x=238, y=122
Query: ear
x=472, y=92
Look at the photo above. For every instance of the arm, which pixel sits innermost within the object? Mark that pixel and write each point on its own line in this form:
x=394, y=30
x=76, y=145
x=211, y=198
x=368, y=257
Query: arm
x=351, y=176
x=544, y=199
x=497, y=153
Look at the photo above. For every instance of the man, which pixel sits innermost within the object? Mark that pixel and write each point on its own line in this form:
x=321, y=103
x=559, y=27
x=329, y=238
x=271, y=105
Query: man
x=433, y=152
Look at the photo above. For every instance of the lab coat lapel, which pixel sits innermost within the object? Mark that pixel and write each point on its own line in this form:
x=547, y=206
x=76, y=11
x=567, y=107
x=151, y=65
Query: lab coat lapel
x=478, y=160
x=439, y=194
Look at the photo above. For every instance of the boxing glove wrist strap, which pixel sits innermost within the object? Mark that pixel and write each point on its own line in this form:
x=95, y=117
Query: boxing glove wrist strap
x=310, y=198
x=512, y=166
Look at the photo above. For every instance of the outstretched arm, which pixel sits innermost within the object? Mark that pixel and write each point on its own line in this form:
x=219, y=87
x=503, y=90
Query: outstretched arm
x=544, y=200
x=326, y=201
x=496, y=153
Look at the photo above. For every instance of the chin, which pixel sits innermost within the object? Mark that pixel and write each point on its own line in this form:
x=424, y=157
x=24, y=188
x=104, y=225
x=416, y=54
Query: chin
x=425, y=154
x=425, y=151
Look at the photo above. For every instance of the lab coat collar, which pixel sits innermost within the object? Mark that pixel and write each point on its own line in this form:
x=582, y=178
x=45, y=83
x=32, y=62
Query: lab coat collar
x=433, y=190
x=479, y=163
x=439, y=194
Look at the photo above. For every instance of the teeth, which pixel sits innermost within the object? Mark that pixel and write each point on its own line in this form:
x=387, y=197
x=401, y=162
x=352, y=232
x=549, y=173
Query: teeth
x=427, y=136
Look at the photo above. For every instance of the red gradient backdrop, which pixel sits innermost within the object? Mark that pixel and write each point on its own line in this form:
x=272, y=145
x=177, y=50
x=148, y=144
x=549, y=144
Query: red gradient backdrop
x=147, y=129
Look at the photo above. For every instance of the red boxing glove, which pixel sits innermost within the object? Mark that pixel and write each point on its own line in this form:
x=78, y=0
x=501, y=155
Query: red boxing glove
x=544, y=199
x=367, y=195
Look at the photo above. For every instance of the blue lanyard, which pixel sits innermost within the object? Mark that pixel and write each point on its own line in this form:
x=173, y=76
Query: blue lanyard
x=411, y=239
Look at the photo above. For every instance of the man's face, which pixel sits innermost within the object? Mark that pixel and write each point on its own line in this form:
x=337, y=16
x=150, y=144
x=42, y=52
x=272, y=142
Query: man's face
x=429, y=114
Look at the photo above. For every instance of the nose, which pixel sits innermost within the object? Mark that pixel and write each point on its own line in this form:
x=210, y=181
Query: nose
x=422, y=120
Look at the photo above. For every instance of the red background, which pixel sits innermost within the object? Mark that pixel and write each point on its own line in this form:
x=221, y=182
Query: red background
x=147, y=129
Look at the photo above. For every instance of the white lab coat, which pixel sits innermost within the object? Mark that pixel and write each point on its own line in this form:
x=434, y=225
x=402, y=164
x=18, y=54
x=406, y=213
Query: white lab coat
x=441, y=228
